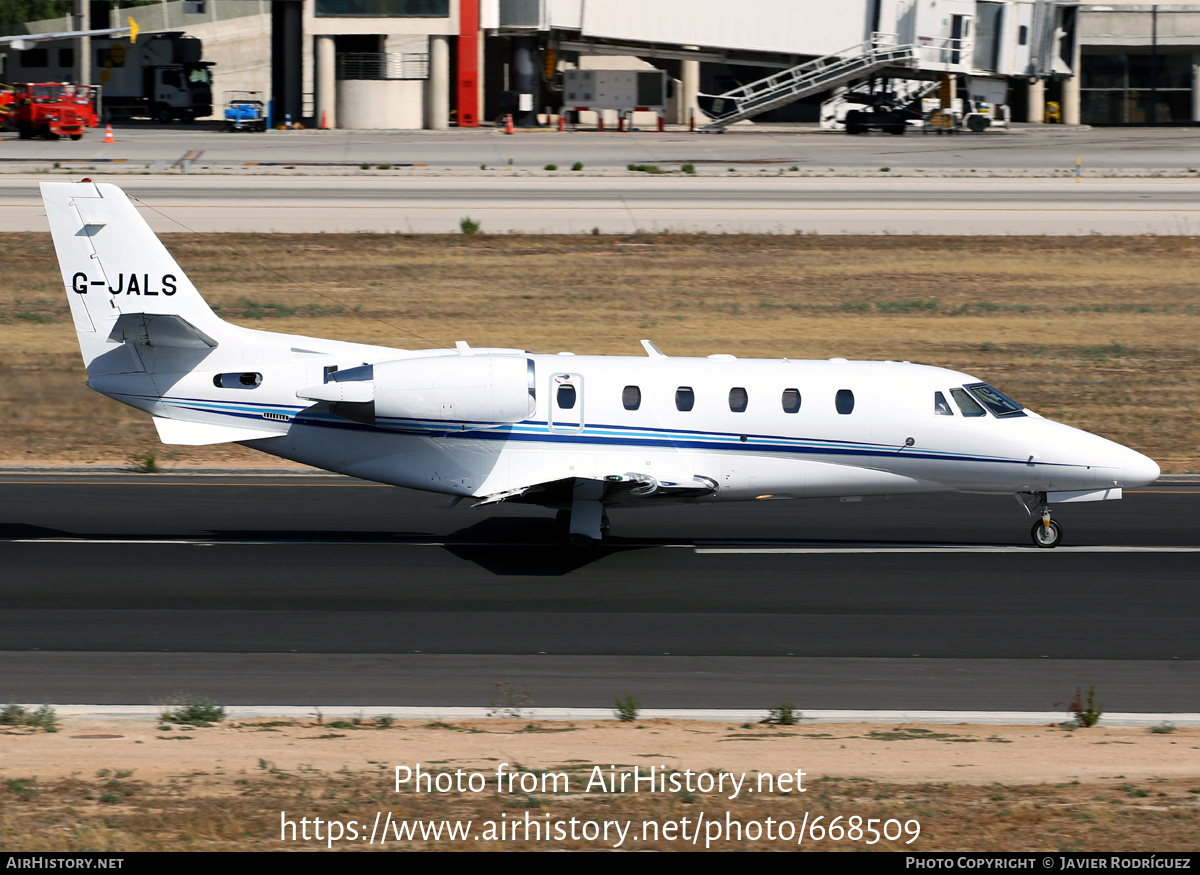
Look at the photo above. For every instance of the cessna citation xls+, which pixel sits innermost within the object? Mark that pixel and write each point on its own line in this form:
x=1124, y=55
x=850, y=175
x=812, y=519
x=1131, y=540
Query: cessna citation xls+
x=578, y=434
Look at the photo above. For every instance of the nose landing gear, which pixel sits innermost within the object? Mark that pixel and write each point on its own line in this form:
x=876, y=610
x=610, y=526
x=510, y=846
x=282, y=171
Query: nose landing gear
x=1045, y=532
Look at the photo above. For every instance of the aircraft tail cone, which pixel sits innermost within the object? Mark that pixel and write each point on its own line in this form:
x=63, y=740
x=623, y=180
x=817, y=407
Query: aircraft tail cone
x=108, y=134
x=508, y=124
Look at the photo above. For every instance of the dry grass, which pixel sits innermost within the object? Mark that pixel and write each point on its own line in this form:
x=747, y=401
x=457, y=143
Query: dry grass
x=1097, y=332
x=203, y=811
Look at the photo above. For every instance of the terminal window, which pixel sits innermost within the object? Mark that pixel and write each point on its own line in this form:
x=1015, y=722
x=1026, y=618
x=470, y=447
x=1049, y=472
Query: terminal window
x=384, y=8
x=1135, y=88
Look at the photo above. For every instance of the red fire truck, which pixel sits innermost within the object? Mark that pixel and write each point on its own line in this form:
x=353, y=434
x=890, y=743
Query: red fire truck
x=51, y=109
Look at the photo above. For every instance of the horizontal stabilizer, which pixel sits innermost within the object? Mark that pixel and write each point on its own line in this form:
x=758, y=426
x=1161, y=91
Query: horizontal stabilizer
x=195, y=434
x=159, y=330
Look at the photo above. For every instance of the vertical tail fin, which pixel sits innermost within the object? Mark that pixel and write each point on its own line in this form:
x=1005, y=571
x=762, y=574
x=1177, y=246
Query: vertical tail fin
x=121, y=282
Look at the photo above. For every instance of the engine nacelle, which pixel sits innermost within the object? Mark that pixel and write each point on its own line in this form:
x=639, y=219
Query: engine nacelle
x=480, y=389
x=472, y=391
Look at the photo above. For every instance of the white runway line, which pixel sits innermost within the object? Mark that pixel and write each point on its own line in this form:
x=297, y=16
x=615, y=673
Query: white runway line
x=946, y=549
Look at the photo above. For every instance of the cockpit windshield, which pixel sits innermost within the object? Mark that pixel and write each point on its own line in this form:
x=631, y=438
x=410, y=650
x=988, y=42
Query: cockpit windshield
x=997, y=402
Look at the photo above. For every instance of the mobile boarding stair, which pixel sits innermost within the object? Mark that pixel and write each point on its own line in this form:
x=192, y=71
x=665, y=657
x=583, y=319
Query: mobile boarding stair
x=778, y=89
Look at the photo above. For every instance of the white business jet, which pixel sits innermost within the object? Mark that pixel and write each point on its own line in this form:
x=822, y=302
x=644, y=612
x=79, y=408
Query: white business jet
x=578, y=434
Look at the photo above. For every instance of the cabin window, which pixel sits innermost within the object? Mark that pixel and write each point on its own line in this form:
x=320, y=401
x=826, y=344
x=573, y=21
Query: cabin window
x=997, y=402
x=791, y=400
x=631, y=397
x=66, y=57
x=237, y=381
x=738, y=399
x=566, y=397
x=844, y=401
x=685, y=398
x=1022, y=35
x=940, y=405
x=968, y=405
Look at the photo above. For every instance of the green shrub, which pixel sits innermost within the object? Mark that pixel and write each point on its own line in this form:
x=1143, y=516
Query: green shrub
x=784, y=715
x=551, y=167
x=468, y=225
x=195, y=711
x=626, y=710
x=43, y=718
x=1086, y=714
x=578, y=165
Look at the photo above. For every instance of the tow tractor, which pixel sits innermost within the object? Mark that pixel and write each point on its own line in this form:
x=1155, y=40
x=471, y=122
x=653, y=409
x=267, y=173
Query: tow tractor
x=52, y=109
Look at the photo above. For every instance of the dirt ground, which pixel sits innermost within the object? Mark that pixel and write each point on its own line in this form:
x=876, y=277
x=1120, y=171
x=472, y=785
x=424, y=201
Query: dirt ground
x=1100, y=333
x=134, y=785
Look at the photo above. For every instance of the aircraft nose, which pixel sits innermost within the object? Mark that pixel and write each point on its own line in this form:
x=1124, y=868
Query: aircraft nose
x=1140, y=470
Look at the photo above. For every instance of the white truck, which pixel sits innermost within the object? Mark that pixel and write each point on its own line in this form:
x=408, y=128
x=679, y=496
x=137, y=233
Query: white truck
x=161, y=76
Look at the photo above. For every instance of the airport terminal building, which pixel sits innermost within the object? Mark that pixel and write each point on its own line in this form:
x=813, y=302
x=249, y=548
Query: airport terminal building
x=406, y=64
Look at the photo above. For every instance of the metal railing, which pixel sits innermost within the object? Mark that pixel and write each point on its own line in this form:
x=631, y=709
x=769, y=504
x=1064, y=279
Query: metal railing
x=383, y=65
x=808, y=78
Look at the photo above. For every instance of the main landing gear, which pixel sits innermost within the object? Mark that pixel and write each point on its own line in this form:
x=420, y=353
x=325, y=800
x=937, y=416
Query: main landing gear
x=582, y=527
x=1045, y=532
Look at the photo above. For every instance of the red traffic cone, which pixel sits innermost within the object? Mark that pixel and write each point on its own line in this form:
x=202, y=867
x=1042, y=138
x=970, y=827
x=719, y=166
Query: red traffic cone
x=108, y=137
x=508, y=125
x=324, y=126
x=562, y=122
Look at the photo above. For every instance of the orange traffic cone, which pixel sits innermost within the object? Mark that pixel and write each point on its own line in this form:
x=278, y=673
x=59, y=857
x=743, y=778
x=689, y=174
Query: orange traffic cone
x=324, y=126
x=508, y=125
x=108, y=137
x=562, y=122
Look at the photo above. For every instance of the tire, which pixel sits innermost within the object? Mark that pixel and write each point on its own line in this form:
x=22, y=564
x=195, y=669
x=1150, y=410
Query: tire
x=897, y=130
x=978, y=124
x=161, y=113
x=1046, y=537
x=24, y=131
x=76, y=136
x=853, y=121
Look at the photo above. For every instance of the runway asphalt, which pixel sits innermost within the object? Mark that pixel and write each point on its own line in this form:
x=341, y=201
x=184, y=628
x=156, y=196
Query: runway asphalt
x=1024, y=148
x=627, y=204
x=124, y=589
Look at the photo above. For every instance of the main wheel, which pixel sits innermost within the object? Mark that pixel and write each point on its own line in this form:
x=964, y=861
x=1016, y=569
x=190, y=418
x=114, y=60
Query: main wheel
x=978, y=124
x=1046, y=535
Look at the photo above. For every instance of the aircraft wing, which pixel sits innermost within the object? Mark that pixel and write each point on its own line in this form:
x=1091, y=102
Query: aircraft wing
x=26, y=41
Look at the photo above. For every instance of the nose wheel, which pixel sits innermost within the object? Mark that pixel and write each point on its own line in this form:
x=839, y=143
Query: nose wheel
x=1046, y=532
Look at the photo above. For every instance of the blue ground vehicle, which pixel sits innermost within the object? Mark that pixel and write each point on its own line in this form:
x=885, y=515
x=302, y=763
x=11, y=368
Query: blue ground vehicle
x=245, y=111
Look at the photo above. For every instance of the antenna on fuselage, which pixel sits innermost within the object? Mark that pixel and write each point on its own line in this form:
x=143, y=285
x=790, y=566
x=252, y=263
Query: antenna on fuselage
x=653, y=351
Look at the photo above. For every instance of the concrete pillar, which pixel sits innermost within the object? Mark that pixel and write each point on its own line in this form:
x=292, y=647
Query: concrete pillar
x=689, y=79
x=1071, y=103
x=437, y=86
x=83, y=50
x=326, y=82
x=1035, y=102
